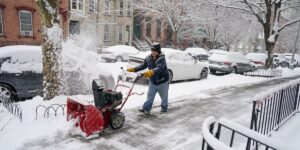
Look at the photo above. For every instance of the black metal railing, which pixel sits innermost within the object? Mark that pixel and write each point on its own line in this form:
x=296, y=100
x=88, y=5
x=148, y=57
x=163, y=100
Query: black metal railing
x=269, y=112
x=265, y=73
x=12, y=107
x=211, y=139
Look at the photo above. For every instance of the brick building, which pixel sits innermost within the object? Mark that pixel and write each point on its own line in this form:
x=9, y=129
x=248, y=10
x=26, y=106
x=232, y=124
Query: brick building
x=20, y=22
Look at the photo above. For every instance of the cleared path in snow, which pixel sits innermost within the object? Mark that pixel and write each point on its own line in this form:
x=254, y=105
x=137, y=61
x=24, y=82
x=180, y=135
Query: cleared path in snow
x=175, y=129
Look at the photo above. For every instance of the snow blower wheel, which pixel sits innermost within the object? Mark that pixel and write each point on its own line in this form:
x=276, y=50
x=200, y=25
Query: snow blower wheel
x=117, y=120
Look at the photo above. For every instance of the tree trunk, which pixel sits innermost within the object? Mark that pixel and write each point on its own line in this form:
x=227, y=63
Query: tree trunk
x=174, y=39
x=51, y=47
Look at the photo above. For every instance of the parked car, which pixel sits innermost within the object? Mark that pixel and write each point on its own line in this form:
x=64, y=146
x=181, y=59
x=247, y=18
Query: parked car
x=118, y=53
x=280, y=60
x=296, y=59
x=181, y=65
x=199, y=54
x=257, y=60
x=21, y=71
x=228, y=62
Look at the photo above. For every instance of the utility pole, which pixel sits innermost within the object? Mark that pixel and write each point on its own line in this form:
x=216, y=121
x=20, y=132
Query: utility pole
x=295, y=47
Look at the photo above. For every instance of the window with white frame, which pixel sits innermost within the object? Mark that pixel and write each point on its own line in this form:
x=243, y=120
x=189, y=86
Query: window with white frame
x=77, y=4
x=92, y=5
x=121, y=7
x=129, y=11
x=120, y=33
x=1, y=22
x=25, y=23
x=106, y=33
x=80, y=4
x=107, y=7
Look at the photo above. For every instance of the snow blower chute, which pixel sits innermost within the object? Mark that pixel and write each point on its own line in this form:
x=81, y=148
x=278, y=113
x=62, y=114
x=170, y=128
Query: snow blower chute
x=94, y=118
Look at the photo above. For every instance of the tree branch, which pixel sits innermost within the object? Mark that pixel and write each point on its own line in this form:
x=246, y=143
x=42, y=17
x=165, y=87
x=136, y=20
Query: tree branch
x=283, y=9
x=288, y=24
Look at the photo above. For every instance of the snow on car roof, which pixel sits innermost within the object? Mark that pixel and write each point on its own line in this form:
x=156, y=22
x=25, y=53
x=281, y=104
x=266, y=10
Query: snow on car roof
x=257, y=56
x=196, y=50
x=121, y=48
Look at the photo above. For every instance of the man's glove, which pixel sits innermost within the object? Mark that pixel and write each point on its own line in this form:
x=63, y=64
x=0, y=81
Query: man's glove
x=148, y=74
x=131, y=70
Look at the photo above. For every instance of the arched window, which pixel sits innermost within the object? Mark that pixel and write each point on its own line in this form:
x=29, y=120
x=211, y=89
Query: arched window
x=25, y=18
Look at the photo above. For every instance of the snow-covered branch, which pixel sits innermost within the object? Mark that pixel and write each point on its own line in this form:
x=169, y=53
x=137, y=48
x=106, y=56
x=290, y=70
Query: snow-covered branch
x=288, y=24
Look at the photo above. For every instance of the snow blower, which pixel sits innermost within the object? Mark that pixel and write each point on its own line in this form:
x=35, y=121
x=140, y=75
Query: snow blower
x=93, y=119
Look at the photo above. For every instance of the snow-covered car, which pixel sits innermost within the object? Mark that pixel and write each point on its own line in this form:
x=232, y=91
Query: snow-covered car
x=212, y=51
x=198, y=53
x=229, y=62
x=280, y=60
x=257, y=60
x=21, y=71
x=181, y=65
x=117, y=53
x=296, y=58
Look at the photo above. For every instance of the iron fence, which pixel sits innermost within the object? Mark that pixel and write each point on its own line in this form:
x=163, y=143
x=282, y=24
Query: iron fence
x=271, y=111
x=265, y=73
x=212, y=131
x=12, y=107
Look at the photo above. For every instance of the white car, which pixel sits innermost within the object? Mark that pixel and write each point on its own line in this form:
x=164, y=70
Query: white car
x=257, y=60
x=229, y=62
x=118, y=53
x=198, y=53
x=181, y=65
x=296, y=58
x=212, y=51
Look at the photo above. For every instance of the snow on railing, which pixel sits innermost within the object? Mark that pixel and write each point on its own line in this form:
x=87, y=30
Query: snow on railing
x=273, y=108
x=211, y=141
x=265, y=73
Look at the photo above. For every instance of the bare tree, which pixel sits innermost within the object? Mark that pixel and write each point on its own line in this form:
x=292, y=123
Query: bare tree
x=51, y=47
x=268, y=13
x=176, y=12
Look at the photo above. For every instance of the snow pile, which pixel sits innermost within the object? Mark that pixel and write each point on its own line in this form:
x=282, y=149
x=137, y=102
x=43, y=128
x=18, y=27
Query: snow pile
x=121, y=49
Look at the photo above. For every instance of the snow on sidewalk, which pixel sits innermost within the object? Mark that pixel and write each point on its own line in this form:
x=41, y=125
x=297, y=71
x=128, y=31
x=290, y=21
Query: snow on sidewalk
x=13, y=133
x=289, y=133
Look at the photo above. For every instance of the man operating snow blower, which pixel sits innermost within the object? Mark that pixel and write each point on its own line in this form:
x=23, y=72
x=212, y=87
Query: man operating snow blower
x=159, y=78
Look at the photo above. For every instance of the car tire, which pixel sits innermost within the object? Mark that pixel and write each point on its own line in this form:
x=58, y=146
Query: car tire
x=213, y=71
x=119, y=59
x=6, y=93
x=204, y=73
x=170, y=76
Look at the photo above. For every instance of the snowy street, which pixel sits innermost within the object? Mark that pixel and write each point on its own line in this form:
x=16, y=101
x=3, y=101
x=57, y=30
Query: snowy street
x=180, y=128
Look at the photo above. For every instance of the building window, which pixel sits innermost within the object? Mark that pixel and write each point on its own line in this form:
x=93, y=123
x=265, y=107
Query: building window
x=80, y=4
x=121, y=8
x=106, y=33
x=129, y=11
x=148, y=26
x=120, y=33
x=25, y=23
x=77, y=4
x=92, y=5
x=1, y=22
x=158, y=28
x=107, y=7
x=74, y=27
x=74, y=4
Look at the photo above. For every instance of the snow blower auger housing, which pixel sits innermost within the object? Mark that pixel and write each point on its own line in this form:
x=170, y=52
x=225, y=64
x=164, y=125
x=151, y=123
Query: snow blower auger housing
x=94, y=118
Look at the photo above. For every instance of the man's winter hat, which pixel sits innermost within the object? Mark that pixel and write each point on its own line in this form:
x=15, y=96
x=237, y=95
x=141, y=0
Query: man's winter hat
x=156, y=47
